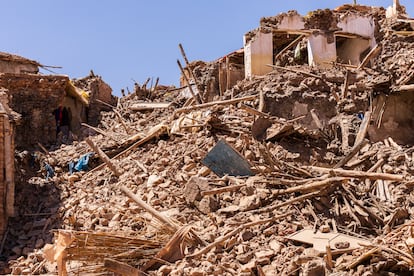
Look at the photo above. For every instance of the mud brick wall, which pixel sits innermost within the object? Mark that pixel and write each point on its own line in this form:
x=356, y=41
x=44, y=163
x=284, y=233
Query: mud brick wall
x=35, y=97
x=6, y=168
x=99, y=91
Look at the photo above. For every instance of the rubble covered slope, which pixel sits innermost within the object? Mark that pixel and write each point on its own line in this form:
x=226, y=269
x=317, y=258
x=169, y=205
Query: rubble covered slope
x=167, y=190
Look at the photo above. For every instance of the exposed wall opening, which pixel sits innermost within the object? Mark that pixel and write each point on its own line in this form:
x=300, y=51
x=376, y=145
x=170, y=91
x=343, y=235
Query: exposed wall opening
x=231, y=70
x=295, y=54
x=351, y=49
x=393, y=116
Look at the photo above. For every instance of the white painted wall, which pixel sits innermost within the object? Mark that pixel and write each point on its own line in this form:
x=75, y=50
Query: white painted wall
x=351, y=50
x=359, y=25
x=257, y=53
x=320, y=52
x=292, y=22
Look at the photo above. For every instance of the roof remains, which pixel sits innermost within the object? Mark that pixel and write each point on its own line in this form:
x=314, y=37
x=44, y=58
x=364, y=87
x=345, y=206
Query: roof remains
x=18, y=59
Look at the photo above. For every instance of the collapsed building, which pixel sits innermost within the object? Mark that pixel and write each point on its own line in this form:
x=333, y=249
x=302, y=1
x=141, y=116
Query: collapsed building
x=28, y=103
x=267, y=171
x=348, y=37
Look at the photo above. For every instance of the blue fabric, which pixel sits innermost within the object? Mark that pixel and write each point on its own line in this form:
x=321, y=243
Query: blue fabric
x=82, y=164
x=49, y=171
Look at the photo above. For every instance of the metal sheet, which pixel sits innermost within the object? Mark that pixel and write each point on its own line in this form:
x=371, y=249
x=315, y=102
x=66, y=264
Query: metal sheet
x=224, y=160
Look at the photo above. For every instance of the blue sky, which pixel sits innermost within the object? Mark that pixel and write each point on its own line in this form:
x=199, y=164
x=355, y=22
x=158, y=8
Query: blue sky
x=135, y=39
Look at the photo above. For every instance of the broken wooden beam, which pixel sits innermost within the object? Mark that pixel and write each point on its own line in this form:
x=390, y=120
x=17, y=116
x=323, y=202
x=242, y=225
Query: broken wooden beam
x=156, y=131
x=104, y=157
x=43, y=148
x=148, y=106
x=121, y=121
x=317, y=185
x=189, y=85
x=363, y=128
x=372, y=54
x=351, y=154
x=406, y=88
x=210, y=104
x=358, y=174
x=190, y=69
x=344, y=125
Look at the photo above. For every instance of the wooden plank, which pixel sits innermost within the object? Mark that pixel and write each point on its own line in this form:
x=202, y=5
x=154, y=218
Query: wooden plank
x=223, y=159
x=121, y=268
x=210, y=104
x=406, y=88
x=363, y=128
x=148, y=106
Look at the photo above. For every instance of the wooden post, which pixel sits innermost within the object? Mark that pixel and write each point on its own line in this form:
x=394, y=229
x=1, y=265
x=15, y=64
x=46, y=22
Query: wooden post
x=3, y=184
x=104, y=157
x=9, y=158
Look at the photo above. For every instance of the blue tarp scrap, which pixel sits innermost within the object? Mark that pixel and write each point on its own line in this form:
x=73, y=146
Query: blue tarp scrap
x=82, y=164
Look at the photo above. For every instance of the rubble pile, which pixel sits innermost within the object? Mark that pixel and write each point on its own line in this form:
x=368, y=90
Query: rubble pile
x=279, y=176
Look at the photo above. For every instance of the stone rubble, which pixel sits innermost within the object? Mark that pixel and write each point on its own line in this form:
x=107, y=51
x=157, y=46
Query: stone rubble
x=166, y=173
